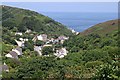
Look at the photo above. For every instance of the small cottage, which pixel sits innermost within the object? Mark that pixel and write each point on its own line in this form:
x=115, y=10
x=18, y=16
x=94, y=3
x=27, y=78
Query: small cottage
x=12, y=54
x=38, y=49
x=42, y=37
x=5, y=68
x=61, y=53
x=20, y=43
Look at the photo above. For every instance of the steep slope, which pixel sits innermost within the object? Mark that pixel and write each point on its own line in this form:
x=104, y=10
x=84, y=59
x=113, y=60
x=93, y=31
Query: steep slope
x=25, y=19
x=102, y=28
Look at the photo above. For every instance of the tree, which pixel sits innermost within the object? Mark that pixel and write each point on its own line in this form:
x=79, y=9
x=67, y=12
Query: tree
x=39, y=43
x=29, y=45
x=47, y=50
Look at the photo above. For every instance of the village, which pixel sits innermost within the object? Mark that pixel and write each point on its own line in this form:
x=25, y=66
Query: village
x=17, y=52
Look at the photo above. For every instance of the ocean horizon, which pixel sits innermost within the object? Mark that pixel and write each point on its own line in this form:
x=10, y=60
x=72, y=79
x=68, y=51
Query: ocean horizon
x=80, y=21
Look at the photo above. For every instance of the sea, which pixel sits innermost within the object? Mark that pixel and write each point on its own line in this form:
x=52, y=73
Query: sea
x=80, y=21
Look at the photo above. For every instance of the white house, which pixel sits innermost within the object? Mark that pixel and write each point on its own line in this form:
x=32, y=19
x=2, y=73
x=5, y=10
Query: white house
x=18, y=33
x=38, y=49
x=62, y=39
x=76, y=33
x=21, y=39
x=20, y=43
x=61, y=53
x=42, y=37
x=28, y=31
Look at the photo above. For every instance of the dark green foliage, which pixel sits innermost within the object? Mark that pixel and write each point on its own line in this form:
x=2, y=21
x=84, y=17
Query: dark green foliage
x=29, y=45
x=47, y=50
x=39, y=43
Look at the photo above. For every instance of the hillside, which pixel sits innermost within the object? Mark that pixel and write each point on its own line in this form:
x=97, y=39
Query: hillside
x=21, y=19
x=102, y=28
x=86, y=56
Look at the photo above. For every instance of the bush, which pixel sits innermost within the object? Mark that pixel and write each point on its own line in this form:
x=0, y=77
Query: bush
x=47, y=50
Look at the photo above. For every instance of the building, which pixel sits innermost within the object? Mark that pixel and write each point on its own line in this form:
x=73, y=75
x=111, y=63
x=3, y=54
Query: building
x=18, y=50
x=20, y=43
x=5, y=68
x=62, y=39
x=38, y=49
x=28, y=31
x=18, y=33
x=42, y=37
x=61, y=53
x=12, y=54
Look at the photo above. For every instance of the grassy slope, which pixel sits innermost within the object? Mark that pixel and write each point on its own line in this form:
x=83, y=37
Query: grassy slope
x=102, y=28
x=49, y=26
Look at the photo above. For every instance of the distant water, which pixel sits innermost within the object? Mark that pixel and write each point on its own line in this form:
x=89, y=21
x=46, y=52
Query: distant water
x=80, y=21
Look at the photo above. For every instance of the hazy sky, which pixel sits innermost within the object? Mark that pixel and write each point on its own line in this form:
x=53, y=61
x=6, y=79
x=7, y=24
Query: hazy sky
x=67, y=6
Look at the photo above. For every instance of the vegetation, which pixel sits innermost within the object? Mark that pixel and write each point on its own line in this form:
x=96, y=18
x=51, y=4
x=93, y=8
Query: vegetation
x=93, y=56
x=25, y=19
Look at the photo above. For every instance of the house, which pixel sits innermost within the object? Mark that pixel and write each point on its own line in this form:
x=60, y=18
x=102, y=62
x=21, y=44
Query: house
x=18, y=50
x=77, y=33
x=42, y=37
x=5, y=68
x=38, y=49
x=12, y=54
x=28, y=31
x=74, y=32
x=18, y=33
x=62, y=39
x=20, y=43
x=25, y=39
x=61, y=53
x=21, y=39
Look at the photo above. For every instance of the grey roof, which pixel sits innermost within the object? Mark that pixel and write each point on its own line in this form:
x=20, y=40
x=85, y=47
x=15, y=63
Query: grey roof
x=61, y=37
x=13, y=54
x=5, y=67
x=19, y=49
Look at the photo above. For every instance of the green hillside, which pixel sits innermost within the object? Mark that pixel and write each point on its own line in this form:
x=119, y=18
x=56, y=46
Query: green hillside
x=93, y=54
x=102, y=28
x=21, y=20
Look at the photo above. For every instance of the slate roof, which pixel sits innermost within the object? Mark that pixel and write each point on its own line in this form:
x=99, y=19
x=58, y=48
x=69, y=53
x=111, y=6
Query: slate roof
x=13, y=54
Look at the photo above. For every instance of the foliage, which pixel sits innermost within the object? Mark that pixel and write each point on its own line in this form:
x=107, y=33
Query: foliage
x=47, y=50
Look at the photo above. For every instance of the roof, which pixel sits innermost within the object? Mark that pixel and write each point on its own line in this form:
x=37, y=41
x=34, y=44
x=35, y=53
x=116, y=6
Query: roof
x=62, y=37
x=19, y=49
x=5, y=68
x=13, y=54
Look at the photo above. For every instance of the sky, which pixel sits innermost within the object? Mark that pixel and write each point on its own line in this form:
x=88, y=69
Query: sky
x=66, y=6
x=59, y=0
